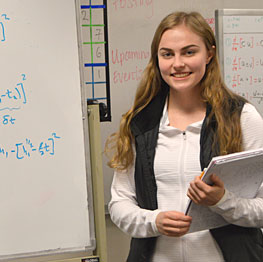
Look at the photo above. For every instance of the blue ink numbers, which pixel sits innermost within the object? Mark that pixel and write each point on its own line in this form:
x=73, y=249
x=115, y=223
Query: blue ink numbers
x=24, y=77
x=3, y=19
x=26, y=149
x=16, y=95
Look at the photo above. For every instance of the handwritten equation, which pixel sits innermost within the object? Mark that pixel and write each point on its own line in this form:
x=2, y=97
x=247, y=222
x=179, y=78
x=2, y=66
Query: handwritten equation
x=12, y=99
x=27, y=148
x=251, y=94
x=258, y=96
x=15, y=94
x=243, y=65
x=239, y=42
x=3, y=19
x=243, y=23
x=238, y=80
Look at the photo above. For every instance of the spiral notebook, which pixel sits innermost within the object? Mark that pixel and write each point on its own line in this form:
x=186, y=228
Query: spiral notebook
x=242, y=174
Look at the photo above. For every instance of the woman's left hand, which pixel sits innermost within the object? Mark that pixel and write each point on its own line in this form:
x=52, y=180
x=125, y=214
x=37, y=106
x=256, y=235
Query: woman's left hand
x=203, y=194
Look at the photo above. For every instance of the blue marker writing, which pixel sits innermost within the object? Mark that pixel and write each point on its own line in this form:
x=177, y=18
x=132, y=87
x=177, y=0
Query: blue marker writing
x=2, y=27
x=17, y=95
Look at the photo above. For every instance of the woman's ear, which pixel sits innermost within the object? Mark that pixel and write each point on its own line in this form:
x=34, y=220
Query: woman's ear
x=211, y=53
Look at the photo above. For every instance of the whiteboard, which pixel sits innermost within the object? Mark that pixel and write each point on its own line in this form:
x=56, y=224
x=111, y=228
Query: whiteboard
x=240, y=37
x=131, y=28
x=45, y=205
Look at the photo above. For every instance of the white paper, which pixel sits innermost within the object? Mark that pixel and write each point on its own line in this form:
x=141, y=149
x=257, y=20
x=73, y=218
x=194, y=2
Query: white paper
x=242, y=174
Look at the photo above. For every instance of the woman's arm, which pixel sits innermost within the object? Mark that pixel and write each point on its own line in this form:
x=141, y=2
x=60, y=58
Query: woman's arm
x=239, y=211
x=124, y=209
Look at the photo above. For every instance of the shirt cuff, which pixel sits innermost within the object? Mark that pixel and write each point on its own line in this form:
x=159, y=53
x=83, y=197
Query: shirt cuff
x=221, y=201
x=154, y=227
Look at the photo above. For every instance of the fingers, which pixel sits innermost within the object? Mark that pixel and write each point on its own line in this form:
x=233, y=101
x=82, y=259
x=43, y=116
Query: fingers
x=172, y=223
x=198, y=190
x=216, y=180
x=195, y=197
x=203, y=194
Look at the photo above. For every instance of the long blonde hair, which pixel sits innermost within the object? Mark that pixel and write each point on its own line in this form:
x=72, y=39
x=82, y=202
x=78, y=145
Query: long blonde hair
x=214, y=92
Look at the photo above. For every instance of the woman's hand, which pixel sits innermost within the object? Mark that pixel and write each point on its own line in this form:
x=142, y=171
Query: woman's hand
x=201, y=193
x=173, y=223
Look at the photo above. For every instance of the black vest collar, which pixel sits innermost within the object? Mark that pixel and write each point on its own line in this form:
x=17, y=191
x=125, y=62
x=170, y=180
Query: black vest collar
x=150, y=116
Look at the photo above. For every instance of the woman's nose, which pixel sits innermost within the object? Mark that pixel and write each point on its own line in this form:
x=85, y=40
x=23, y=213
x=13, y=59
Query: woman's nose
x=178, y=62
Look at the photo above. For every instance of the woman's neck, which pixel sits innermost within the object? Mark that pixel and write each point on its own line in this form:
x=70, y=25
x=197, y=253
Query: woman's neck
x=185, y=109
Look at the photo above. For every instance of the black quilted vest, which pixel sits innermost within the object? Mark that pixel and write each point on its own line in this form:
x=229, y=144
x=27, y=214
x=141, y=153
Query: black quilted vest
x=238, y=244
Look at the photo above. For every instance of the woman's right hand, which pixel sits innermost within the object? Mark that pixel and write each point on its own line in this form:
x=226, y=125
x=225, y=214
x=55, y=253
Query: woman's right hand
x=173, y=223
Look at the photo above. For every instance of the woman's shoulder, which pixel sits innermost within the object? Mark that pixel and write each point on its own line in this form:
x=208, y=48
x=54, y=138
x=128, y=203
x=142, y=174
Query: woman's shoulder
x=252, y=126
x=250, y=110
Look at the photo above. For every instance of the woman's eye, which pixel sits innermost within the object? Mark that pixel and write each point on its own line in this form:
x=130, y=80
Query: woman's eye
x=190, y=52
x=166, y=55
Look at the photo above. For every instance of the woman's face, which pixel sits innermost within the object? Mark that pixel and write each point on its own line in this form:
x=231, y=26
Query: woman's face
x=182, y=57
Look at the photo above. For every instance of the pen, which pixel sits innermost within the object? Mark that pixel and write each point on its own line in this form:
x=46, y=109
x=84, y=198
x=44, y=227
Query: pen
x=202, y=174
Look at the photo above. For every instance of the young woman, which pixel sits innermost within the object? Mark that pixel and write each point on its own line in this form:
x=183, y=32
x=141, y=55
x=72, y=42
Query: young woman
x=183, y=115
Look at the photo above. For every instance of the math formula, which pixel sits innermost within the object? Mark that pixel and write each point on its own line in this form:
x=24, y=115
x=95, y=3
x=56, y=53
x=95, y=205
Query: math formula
x=244, y=66
x=243, y=57
x=12, y=98
x=14, y=95
x=27, y=148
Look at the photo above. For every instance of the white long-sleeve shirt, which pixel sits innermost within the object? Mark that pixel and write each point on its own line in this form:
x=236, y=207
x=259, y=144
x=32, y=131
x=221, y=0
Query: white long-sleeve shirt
x=176, y=164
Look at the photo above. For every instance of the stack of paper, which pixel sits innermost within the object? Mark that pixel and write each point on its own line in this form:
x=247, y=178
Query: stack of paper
x=242, y=174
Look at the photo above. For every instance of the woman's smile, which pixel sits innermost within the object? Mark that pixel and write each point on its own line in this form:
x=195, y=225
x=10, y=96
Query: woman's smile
x=180, y=75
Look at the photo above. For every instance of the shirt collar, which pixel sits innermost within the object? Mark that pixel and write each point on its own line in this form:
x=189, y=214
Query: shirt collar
x=164, y=123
